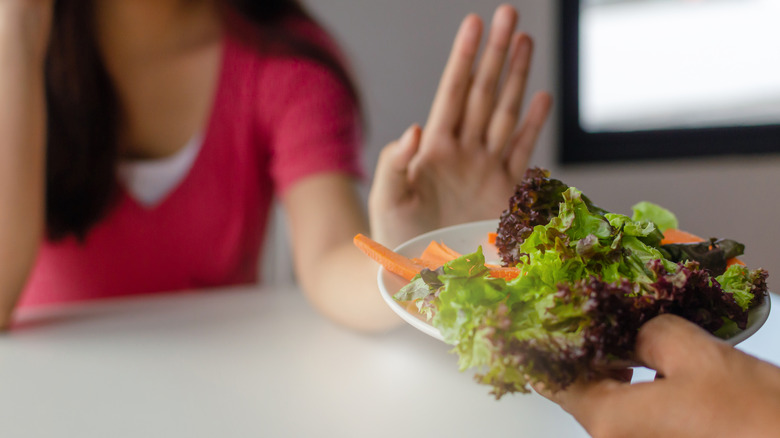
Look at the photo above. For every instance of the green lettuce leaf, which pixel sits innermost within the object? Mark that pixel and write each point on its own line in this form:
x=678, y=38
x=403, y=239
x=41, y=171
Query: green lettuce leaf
x=744, y=284
x=661, y=217
x=588, y=280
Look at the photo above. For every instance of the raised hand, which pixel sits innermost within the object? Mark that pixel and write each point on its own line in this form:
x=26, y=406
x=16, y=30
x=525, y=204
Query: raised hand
x=709, y=389
x=464, y=164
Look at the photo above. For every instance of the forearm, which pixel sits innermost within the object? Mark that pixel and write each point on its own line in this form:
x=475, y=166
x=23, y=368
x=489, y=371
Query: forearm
x=325, y=213
x=343, y=286
x=22, y=158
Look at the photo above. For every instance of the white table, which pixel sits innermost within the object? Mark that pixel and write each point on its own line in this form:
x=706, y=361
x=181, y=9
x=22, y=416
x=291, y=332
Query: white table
x=250, y=362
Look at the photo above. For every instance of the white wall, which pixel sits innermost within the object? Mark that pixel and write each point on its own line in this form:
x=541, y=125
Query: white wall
x=399, y=47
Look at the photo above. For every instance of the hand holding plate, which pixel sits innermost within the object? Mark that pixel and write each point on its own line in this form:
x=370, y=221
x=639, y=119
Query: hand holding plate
x=708, y=389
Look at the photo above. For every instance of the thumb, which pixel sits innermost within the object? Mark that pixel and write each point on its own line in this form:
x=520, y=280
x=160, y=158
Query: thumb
x=406, y=148
x=672, y=345
x=390, y=177
x=391, y=187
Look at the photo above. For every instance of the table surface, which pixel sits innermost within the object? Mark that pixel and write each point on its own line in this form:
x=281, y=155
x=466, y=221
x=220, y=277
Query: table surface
x=249, y=362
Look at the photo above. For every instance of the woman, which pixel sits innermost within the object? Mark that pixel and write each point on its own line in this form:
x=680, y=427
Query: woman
x=225, y=105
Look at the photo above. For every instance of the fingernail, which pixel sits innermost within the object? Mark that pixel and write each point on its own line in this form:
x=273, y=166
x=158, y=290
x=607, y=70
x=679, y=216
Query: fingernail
x=522, y=47
x=503, y=18
x=407, y=137
x=470, y=30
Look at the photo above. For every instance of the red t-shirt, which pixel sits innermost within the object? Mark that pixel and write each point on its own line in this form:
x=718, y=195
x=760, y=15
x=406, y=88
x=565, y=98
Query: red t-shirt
x=274, y=121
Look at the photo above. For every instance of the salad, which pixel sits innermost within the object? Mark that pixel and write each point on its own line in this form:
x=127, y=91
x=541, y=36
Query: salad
x=575, y=285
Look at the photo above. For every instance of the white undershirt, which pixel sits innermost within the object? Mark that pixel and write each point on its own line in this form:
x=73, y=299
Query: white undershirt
x=150, y=181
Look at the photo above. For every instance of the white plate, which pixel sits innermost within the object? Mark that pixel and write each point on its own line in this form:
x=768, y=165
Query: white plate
x=465, y=239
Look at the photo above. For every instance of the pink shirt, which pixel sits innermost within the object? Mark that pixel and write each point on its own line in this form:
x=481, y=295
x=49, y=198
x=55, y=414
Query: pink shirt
x=274, y=121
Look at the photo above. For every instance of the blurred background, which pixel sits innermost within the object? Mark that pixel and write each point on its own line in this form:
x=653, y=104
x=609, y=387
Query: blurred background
x=398, y=49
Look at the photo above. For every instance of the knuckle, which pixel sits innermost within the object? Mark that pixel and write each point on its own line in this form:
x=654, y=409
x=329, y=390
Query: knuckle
x=606, y=426
x=521, y=69
x=499, y=44
x=387, y=149
x=601, y=427
x=456, y=88
x=438, y=153
x=485, y=85
x=511, y=108
x=716, y=356
x=607, y=432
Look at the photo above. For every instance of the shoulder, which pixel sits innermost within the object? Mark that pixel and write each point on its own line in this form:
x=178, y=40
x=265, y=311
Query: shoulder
x=294, y=98
x=276, y=84
x=288, y=51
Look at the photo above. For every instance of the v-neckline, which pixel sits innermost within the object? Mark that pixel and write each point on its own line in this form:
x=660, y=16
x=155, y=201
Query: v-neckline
x=172, y=193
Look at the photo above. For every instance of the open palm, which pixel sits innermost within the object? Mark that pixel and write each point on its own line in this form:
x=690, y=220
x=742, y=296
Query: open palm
x=463, y=166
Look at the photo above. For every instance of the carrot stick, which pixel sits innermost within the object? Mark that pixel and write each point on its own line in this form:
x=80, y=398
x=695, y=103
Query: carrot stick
x=430, y=264
x=505, y=272
x=389, y=259
x=678, y=236
x=409, y=267
x=734, y=261
x=492, y=238
x=438, y=254
x=454, y=254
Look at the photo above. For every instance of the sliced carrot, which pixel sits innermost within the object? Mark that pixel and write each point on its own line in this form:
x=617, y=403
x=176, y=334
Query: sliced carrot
x=409, y=267
x=454, y=254
x=389, y=259
x=734, y=261
x=678, y=236
x=492, y=238
x=438, y=254
x=505, y=272
x=430, y=264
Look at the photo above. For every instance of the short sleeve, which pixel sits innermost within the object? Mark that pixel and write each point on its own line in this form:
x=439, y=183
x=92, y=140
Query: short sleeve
x=313, y=122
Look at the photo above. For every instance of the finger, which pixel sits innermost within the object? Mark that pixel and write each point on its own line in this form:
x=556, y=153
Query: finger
x=391, y=174
x=505, y=116
x=482, y=94
x=406, y=148
x=523, y=144
x=672, y=345
x=609, y=408
x=447, y=107
x=609, y=378
x=583, y=400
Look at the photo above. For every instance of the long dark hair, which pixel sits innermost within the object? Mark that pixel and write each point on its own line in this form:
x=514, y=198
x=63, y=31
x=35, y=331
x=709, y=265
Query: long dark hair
x=83, y=111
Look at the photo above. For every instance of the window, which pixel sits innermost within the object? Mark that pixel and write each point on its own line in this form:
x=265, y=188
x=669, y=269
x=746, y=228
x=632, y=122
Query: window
x=662, y=79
